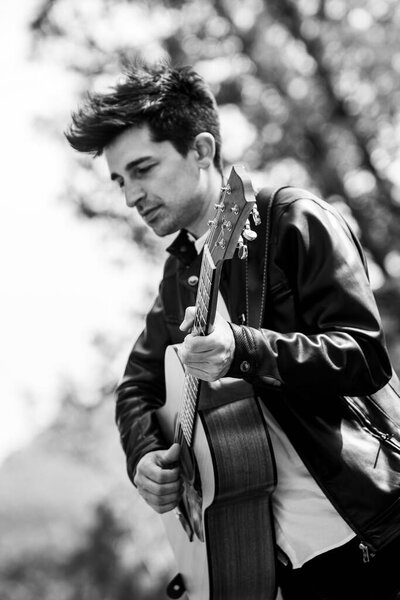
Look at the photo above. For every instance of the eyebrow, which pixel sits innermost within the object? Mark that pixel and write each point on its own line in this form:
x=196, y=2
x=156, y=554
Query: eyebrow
x=131, y=165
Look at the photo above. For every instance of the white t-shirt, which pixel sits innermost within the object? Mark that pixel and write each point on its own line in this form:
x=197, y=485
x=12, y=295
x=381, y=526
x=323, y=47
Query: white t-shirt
x=306, y=522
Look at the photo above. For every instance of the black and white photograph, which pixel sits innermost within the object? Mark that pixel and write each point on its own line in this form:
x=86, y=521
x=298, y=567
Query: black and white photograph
x=200, y=323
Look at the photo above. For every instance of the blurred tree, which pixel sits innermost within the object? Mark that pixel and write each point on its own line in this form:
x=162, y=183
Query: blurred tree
x=72, y=526
x=318, y=81
x=97, y=570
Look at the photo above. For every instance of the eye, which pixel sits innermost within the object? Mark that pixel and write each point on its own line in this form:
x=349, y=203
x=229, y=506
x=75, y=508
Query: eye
x=140, y=171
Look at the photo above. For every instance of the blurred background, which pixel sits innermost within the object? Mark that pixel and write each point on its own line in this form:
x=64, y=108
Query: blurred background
x=309, y=92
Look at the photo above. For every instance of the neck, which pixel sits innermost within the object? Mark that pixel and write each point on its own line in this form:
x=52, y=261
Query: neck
x=209, y=198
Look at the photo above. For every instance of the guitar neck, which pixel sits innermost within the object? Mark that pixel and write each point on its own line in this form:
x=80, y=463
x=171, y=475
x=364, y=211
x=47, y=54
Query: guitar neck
x=207, y=294
x=206, y=305
x=232, y=212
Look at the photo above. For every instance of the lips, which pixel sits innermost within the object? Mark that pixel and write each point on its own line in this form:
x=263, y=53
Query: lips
x=149, y=214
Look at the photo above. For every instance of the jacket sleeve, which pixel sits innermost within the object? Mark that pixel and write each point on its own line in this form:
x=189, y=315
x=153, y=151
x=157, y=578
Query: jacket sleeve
x=142, y=390
x=338, y=344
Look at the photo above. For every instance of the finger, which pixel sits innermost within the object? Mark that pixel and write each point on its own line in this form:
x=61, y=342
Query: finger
x=200, y=374
x=162, y=504
x=149, y=468
x=188, y=321
x=213, y=342
x=196, y=349
x=207, y=371
x=169, y=458
x=165, y=507
x=195, y=361
x=159, y=475
x=199, y=344
x=164, y=490
x=207, y=363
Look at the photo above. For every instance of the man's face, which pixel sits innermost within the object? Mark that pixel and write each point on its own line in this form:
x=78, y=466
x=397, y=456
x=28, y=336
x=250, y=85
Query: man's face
x=168, y=189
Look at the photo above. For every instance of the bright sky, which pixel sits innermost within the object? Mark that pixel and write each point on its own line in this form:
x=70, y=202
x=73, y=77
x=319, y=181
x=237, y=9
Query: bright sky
x=58, y=282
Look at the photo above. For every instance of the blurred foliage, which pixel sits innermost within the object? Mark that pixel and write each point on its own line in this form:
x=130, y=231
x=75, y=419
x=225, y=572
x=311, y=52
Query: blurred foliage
x=72, y=527
x=309, y=94
x=97, y=570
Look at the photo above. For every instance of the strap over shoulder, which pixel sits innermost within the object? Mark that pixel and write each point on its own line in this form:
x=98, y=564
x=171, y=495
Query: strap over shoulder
x=258, y=282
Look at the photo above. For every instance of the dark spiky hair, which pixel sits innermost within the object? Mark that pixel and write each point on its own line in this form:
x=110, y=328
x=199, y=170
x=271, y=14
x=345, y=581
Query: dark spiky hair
x=176, y=105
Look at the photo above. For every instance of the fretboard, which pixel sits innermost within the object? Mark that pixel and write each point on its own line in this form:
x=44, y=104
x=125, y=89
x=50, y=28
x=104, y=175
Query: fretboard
x=206, y=302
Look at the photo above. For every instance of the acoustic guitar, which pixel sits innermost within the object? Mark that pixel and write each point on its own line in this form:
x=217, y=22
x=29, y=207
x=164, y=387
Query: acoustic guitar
x=221, y=533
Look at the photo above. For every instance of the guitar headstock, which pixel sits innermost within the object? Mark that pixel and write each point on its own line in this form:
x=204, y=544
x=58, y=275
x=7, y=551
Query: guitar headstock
x=230, y=222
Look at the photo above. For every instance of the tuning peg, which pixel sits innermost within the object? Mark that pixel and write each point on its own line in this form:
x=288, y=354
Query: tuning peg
x=227, y=225
x=248, y=233
x=243, y=251
x=256, y=215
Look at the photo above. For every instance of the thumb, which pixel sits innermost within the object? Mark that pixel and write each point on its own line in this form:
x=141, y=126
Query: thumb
x=188, y=321
x=170, y=457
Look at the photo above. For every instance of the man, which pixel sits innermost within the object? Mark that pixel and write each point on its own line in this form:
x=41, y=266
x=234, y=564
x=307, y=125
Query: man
x=315, y=361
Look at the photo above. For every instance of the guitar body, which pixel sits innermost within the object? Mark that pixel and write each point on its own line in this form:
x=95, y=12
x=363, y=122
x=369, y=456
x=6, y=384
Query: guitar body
x=223, y=538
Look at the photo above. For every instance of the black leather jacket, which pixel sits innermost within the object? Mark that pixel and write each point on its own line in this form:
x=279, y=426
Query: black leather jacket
x=319, y=360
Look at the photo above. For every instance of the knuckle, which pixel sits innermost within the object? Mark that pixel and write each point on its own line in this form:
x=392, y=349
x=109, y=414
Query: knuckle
x=158, y=502
x=164, y=476
x=188, y=342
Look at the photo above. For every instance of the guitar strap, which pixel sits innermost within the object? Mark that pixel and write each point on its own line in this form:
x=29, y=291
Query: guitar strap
x=257, y=282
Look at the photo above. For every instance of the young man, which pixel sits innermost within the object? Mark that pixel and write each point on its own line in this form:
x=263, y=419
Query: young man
x=315, y=361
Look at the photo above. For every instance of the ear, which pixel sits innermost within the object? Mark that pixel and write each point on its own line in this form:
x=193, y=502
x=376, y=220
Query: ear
x=204, y=147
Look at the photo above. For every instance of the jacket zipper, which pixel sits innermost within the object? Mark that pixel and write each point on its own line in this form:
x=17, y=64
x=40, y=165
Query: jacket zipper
x=382, y=436
x=367, y=554
x=383, y=412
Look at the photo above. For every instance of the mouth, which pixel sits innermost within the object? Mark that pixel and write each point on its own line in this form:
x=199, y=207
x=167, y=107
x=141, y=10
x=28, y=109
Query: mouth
x=150, y=214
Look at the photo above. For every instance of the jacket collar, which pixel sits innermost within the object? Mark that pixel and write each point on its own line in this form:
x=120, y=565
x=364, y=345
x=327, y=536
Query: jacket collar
x=183, y=248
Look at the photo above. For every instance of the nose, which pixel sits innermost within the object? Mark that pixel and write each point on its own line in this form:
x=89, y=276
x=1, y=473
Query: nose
x=133, y=194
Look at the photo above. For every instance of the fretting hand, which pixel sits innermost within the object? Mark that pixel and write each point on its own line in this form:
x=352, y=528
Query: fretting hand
x=207, y=357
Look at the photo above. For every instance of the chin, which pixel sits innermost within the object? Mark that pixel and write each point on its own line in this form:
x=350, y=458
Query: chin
x=163, y=229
